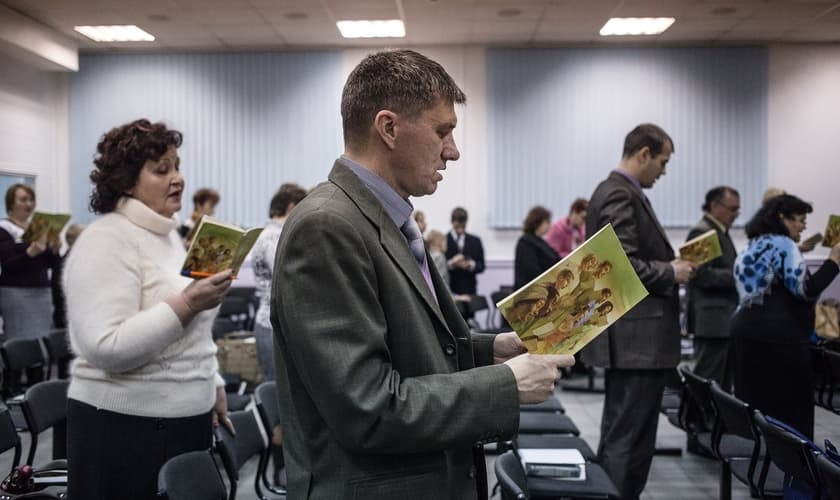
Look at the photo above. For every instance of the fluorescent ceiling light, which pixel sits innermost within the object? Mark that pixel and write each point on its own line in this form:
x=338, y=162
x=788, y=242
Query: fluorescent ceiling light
x=636, y=25
x=386, y=28
x=128, y=33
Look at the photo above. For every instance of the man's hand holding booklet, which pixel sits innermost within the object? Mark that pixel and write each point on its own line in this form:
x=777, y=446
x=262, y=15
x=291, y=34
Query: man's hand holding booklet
x=570, y=304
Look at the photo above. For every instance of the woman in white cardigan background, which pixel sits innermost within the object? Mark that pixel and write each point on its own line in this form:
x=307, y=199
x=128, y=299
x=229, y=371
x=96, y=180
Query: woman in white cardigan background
x=145, y=385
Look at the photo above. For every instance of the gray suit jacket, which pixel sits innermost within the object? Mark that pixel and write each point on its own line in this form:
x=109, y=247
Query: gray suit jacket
x=379, y=393
x=648, y=336
x=712, y=296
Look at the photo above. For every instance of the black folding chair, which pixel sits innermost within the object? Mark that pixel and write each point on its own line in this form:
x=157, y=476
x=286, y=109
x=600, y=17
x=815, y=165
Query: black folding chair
x=829, y=473
x=791, y=453
x=44, y=406
x=269, y=409
x=22, y=356
x=9, y=438
x=59, y=354
x=250, y=440
x=511, y=477
x=697, y=414
x=191, y=476
x=541, y=422
x=551, y=404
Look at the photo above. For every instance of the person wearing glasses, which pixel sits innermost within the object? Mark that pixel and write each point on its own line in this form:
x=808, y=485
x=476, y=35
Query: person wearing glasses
x=712, y=296
x=775, y=315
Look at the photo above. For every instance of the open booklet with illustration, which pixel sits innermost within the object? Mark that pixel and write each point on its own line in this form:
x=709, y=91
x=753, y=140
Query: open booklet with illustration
x=831, y=236
x=217, y=247
x=701, y=249
x=43, y=223
x=563, y=309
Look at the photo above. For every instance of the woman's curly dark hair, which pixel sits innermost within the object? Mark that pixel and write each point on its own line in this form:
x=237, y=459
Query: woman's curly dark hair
x=768, y=219
x=120, y=155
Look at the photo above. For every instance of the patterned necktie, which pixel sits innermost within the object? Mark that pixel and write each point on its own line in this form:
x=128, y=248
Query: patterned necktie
x=415, y=240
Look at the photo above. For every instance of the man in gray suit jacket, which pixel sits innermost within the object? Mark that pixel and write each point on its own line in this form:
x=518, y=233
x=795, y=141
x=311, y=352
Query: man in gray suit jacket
x=384, y=392
x=712, y=296
x=639, y=349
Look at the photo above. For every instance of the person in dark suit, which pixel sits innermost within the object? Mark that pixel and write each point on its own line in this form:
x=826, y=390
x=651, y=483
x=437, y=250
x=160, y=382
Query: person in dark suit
x=384, y=392
x=639, y=349
x=533, y=254
x=464, y=254
x=712, y=296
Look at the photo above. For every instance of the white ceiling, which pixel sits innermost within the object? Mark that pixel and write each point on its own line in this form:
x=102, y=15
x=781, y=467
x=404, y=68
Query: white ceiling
x=218, y=25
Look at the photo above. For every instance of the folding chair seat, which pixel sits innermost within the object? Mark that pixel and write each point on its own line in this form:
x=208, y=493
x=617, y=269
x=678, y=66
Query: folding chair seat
x=250, y=440
x=191, y=476
x=792, y=453
x=739, y=446
x=268, y=406
x=515, y=484
x=555, y=441
x=541, y=422
x=551, y=404
x=829, y=473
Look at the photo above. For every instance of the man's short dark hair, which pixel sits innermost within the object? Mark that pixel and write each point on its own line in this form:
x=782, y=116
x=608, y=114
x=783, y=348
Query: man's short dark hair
x=578, y=206
x=768, y=221
x=403, y=81
x=204, y=195
x=459, y=214
x=646, y=134
x=287, y=194
x=717, y=194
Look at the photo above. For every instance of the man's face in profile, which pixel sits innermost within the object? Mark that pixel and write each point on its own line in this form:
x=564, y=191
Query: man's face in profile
x=654, y=166
x=423, y=145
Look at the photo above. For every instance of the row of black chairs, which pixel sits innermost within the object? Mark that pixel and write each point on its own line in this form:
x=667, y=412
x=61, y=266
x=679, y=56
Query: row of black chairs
x=38, y=359
x=760, y=452
x=546, y=426
x=196, y=475
x=826, y=363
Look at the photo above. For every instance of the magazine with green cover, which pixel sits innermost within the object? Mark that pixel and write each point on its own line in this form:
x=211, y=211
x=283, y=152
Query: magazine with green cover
x=217, y=247
x=43, y=223
x=702, y=249
x=831, y=236
x=570, y=304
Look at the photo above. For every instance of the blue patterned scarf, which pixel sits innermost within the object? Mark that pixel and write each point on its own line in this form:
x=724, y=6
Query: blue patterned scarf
x=768, y=258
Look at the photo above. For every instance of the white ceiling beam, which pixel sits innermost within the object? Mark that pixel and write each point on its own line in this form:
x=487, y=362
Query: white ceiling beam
x=36, y=44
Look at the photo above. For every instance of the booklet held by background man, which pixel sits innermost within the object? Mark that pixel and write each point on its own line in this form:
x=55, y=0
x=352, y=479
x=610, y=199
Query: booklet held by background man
x=217, y=247
x=701, y=249
x=832, y=231
x=42, y=224
x=563, y=309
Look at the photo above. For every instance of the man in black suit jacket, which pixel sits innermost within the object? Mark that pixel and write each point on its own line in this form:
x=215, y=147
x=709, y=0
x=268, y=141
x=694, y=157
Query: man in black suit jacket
x=712, y=296
x=464, y=255
x=641, y=348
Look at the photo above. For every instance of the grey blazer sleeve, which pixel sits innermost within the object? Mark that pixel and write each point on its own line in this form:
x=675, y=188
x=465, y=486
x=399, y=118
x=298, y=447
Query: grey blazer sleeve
x=332, y=300
x=618, y=209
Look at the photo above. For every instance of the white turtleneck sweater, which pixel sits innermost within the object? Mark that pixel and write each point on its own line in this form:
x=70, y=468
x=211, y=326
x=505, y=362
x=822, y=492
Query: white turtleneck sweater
x=134, y=357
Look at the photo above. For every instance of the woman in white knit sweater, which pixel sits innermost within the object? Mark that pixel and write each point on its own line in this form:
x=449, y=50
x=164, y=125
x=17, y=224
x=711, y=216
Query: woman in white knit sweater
x=145, y=386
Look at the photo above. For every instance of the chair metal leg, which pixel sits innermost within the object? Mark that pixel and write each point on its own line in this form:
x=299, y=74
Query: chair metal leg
x=725, y=481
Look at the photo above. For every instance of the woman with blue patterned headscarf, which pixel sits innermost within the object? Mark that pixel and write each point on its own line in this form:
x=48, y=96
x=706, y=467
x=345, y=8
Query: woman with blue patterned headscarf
x=775, y=316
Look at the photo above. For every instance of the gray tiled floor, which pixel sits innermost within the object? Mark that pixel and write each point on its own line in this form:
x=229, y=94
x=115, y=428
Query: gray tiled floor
x=687, y=477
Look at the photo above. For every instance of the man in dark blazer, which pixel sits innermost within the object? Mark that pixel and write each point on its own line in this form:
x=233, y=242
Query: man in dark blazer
x=640, y=348
x=712, y=296
x=464, y=255
x=384, y=393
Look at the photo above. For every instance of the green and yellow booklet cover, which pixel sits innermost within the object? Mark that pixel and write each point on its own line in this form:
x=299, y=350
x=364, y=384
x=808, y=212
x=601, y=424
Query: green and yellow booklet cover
x=217, y=247
x=701, y=249
x=570, y=304
x=45, y=223
x=832, y=231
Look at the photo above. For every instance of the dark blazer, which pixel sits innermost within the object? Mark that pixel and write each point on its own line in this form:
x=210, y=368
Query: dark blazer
x=462, y=280
x=648, y=336
x=533, y=257
x=379, y=394
x=712, y=296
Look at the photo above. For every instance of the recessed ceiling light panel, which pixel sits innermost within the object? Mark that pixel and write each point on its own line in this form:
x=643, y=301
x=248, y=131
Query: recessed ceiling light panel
x=623, y=26
x=125, y=33
x=385, y=28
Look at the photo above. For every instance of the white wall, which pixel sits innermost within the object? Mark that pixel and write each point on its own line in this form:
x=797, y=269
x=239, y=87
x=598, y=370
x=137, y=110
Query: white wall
x=804, y=127
x=34, y=135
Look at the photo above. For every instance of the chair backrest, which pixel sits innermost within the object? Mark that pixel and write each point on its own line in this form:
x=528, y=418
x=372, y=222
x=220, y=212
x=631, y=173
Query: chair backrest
x=790, y=453
x=735, y=415
x=832, y=368
x=44, y=405
x=191, y=476
x=511, y=477
x=250, y=440
x=829, y=473
x=9, y=438
x=58, y=345
x=19, y=354
x=268, y=404
x=701, y=410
